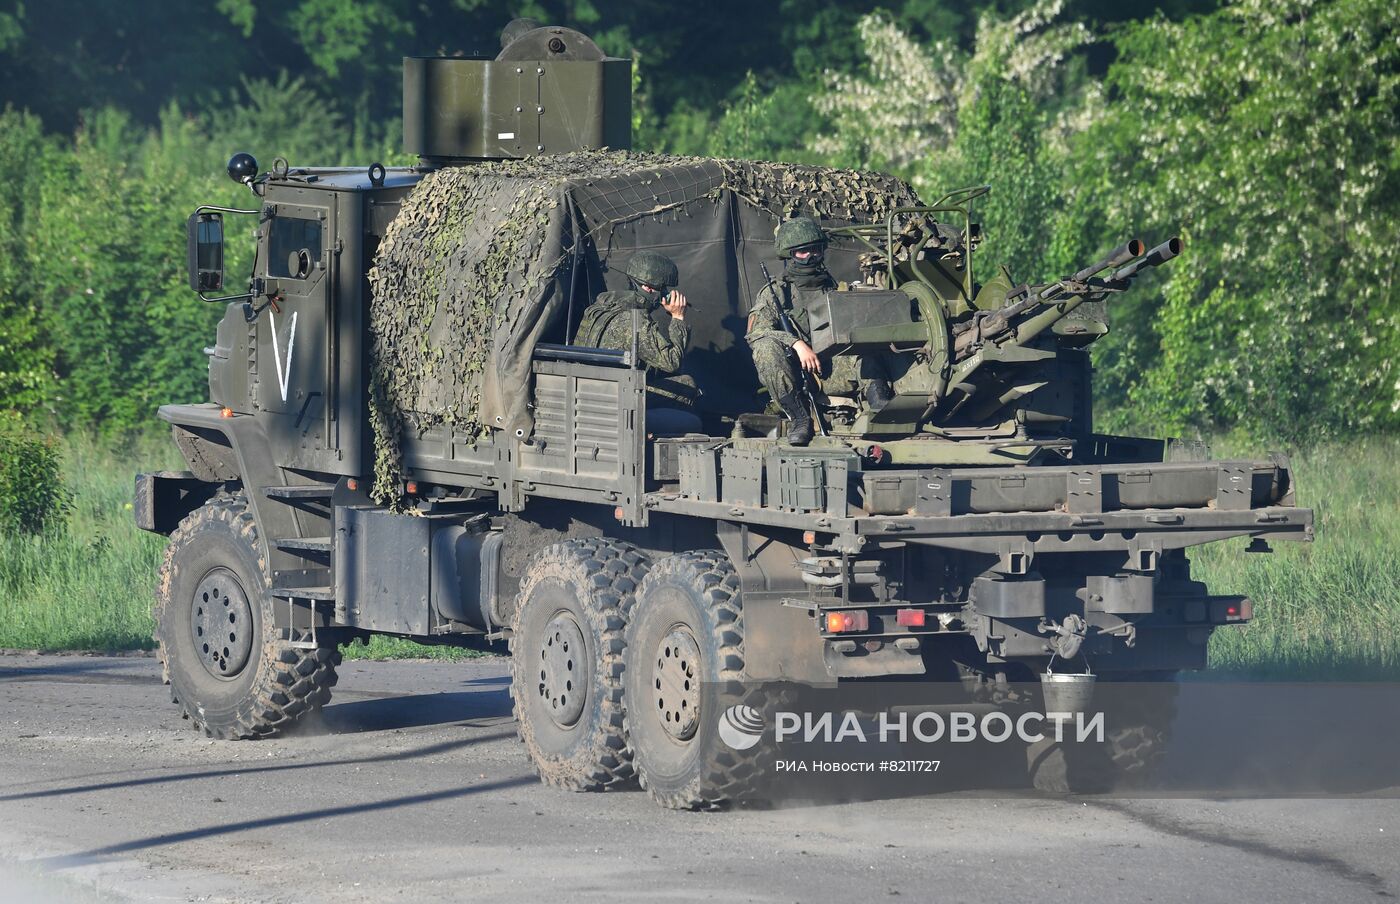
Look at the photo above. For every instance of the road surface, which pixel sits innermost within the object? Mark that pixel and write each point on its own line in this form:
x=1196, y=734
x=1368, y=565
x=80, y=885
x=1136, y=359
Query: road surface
x=411, y=786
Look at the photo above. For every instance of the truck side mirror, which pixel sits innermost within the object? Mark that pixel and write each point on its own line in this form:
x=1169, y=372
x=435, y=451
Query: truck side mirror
x=205, y=232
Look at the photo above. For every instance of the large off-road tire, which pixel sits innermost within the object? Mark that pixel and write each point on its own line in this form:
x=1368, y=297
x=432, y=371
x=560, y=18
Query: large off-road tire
x=1137, y=735
x=1138, y=726
x=685, y=647
x=228, y=670
x=1069, y=768
x=567, y=649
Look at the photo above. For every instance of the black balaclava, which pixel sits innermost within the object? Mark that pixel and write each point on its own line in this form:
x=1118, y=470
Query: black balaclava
x=811, y=273
x=653, y=296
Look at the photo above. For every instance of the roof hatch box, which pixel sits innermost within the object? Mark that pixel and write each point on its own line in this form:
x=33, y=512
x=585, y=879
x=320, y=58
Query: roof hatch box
x=550, y=90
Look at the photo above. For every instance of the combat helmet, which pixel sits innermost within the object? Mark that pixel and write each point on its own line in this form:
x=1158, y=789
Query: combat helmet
x=656, y=270
x=799, y=232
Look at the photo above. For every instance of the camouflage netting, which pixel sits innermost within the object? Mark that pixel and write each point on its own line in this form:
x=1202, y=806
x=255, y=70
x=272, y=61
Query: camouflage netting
x=483, y=262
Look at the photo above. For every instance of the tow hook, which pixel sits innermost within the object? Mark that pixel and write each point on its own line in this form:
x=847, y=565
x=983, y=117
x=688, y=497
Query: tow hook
x=1068, y=635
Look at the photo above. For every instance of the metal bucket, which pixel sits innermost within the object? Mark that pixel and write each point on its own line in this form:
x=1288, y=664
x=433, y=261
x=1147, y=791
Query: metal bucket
x=1067, y=693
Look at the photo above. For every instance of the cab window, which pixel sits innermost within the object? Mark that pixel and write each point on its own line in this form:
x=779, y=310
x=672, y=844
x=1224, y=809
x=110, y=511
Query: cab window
x=294, y=247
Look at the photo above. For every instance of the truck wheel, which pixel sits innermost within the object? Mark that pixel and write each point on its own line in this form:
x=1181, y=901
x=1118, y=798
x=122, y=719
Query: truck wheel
x=1075, y=768
x=567, y=649
x=1137, y=737
x=685, y=642
x=228, y=671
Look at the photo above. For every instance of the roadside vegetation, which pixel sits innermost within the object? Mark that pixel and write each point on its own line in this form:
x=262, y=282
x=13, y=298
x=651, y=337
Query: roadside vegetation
x=1329, y=609
x=1261, y=131
x=89, y=583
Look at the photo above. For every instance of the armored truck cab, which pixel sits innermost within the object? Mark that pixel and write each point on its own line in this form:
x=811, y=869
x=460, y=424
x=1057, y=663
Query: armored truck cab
x=346, y=478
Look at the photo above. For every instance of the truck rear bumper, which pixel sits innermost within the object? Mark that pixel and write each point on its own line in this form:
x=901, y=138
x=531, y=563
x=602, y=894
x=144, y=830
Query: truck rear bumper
x=1038, y=532
x=1054, y=532
x=1063, y=508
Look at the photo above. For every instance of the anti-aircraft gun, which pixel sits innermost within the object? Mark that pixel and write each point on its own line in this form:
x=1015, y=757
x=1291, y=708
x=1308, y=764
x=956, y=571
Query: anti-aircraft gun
x=402, y=438
x=985, y=373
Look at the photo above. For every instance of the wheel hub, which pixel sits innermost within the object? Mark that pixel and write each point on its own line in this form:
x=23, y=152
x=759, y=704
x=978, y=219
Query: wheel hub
x=562, y=668
x=221, y=624
x=675, y=685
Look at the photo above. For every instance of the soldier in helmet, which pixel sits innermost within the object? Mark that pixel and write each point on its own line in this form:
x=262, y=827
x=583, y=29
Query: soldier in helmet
x=613, y=317
x=781, y=355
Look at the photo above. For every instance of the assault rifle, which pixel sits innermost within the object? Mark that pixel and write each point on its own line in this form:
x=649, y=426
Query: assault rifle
x=792, y=331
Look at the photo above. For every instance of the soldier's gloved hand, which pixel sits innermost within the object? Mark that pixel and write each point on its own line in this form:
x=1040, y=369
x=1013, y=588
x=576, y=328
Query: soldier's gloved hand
x=806, y=358
x=675, y=303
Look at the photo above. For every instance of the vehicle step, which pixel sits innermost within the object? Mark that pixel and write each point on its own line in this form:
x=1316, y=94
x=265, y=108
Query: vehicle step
x=304, y=544
x=315, y=491
x=304, y=593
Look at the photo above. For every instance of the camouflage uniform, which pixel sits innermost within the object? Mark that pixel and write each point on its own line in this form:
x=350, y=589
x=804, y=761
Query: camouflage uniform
x=771, y=344
x=608, y=324
x=801, y=243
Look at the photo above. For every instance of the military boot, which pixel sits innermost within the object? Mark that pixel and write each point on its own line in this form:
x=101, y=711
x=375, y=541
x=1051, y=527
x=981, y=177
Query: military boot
x=800, y=430
x=878, y=394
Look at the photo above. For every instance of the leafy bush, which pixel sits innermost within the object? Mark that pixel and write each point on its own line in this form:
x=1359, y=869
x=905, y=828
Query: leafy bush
x=996, y=115
x=1265, y=133
x=26, y=357
x=33, y=498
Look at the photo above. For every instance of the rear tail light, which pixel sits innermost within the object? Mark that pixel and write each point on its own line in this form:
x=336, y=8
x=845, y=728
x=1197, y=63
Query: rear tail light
x=847, y=620
x=910, y=618
x=1231, y=609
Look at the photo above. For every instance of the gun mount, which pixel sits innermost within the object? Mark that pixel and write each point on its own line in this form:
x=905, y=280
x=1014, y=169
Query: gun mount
x=996, y=364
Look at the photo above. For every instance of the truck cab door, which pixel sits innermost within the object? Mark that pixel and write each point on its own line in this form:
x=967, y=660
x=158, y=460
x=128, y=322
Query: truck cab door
x=290, y=364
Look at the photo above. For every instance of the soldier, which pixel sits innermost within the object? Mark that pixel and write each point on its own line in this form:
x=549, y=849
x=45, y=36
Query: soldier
x=610, y=321
x=779, y=355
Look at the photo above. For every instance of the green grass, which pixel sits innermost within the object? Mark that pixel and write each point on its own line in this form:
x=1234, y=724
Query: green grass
x=1329, y=609
x=381, y=647
x=90, y=587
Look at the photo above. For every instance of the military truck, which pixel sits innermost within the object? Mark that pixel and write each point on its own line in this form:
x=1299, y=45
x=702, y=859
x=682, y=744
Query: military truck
x=355, y=472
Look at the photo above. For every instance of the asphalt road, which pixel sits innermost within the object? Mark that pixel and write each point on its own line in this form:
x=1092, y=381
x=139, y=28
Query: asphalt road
x=412, y=787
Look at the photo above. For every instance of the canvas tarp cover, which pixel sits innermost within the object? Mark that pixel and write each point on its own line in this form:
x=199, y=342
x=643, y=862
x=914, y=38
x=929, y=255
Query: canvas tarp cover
x=485, y=261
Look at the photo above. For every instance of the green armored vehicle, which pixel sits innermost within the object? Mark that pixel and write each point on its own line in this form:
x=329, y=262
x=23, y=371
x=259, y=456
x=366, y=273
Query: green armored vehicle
x=403, y=439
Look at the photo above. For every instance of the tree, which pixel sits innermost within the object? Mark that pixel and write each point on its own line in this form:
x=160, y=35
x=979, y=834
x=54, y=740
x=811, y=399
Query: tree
x=26, y=354
x=1266, y=133
x=947, y=118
